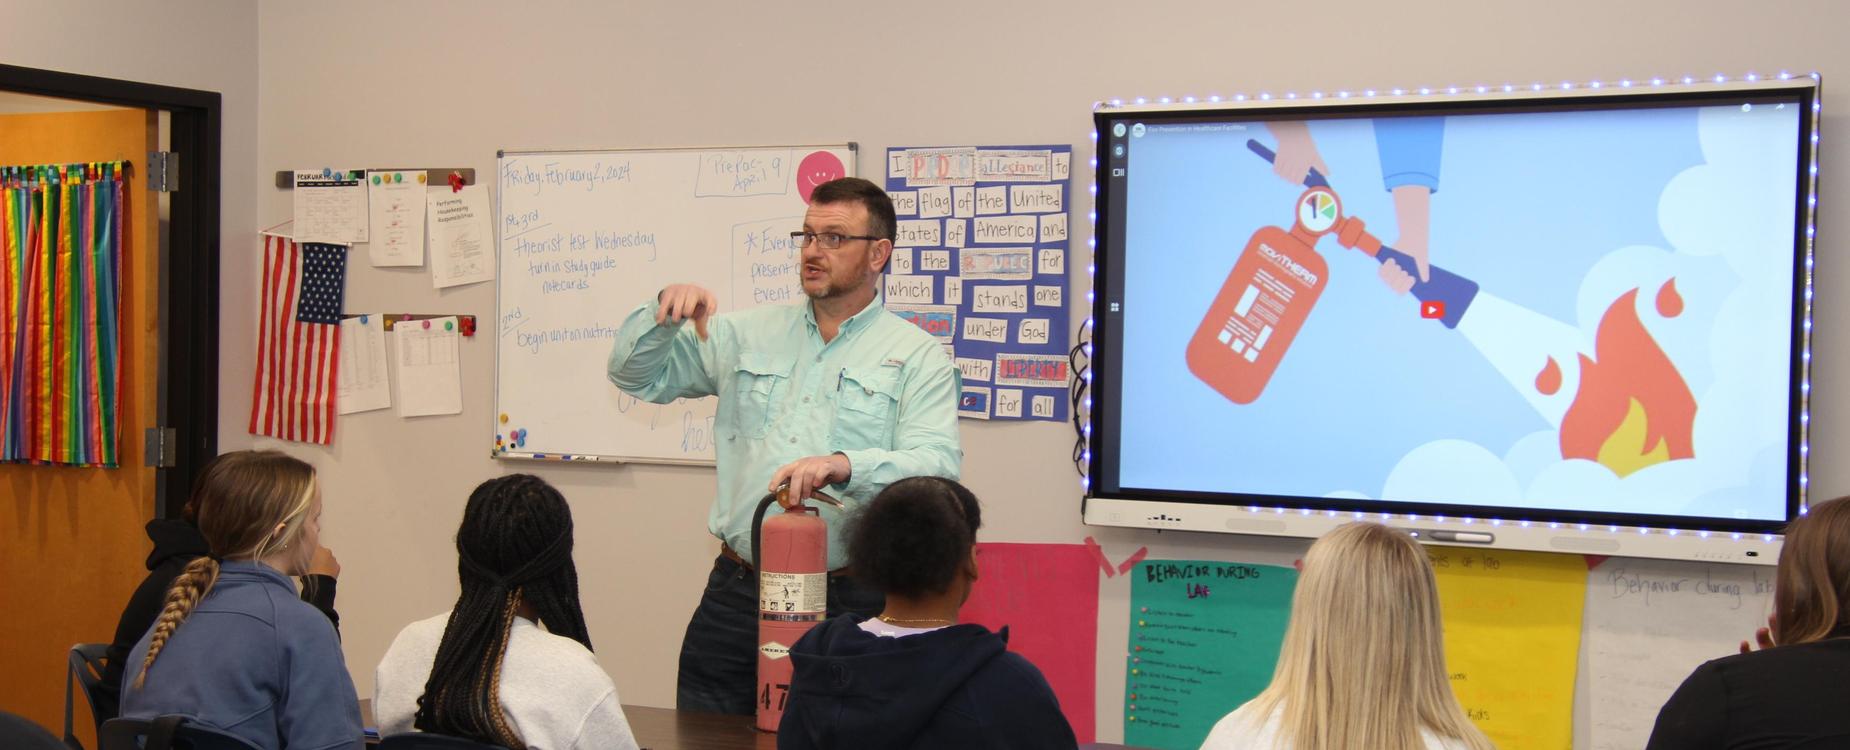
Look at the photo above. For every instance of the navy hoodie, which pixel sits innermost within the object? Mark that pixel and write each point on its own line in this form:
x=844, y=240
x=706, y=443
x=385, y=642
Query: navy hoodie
x=957, y=687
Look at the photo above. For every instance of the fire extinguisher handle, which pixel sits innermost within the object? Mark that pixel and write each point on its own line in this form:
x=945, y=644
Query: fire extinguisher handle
x=1452, y=291
x=772, y=498
x=1311, y=180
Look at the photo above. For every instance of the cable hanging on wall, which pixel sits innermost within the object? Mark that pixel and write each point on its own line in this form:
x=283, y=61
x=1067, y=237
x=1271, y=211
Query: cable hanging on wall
x=1079, y=361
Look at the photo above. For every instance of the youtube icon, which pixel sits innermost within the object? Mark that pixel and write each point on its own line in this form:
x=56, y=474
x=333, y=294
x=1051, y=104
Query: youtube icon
x=1432, y=309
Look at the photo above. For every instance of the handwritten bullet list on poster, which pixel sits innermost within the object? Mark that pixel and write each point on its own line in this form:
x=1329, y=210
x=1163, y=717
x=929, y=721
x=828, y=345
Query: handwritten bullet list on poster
x=1649, y=623
x=979, y=262
x=1203, y=639
x=1512, y=639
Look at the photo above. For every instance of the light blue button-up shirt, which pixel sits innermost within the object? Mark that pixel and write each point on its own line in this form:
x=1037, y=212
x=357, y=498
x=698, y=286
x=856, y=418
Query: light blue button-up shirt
x=883, y=393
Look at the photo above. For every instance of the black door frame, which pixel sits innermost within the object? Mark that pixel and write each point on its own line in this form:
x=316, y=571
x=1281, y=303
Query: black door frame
x=189, y=309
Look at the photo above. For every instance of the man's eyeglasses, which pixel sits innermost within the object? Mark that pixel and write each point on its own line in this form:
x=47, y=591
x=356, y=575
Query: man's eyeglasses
x=828, y=240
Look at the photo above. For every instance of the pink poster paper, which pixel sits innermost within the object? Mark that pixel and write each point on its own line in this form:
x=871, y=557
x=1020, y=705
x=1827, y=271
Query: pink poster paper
x=1047, y=596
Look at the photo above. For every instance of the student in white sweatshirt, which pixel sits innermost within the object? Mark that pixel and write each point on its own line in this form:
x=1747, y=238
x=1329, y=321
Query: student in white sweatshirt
x=545, y=690
x=1362, y=665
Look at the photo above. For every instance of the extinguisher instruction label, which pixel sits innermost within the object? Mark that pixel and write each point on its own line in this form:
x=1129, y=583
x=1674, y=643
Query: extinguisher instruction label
x=793, y=592
x=1250, y=326
x=1251, y=322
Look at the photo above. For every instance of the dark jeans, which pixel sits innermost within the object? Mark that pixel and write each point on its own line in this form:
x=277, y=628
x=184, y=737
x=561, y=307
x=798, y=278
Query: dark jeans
x=719, y=653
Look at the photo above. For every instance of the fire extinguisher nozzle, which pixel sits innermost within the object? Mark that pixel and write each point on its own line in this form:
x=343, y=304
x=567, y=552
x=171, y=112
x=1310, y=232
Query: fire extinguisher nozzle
x=827, y=500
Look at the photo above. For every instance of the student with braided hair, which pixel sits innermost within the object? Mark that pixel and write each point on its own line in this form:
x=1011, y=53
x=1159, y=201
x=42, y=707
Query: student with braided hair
x=235, y=647
x=177, y=541
x=486, y=671
x=912, y=676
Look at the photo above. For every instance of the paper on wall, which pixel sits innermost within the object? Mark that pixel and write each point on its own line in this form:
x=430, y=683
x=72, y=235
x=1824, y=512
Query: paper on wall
x=330, y=206
x=428, y=353
x=461, y=249
x=396, y=203
x=363, y=382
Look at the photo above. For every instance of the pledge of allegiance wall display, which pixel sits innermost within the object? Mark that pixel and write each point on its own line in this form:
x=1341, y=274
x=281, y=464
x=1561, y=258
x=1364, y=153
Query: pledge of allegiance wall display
x=980, y=263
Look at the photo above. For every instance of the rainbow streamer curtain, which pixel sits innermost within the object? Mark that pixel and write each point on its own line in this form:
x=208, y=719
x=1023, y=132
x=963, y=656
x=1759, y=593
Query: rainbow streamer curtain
x=60, y=313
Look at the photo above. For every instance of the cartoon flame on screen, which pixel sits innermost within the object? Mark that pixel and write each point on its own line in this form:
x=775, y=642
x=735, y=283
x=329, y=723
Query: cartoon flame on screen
x=1633, y=409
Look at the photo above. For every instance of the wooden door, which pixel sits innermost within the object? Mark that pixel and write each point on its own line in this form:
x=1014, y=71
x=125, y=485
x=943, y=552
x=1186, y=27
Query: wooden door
x=72, y=544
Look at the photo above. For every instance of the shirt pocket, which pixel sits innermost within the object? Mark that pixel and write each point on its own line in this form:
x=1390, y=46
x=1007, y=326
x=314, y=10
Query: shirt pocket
x=757, y=383
x=866, y=407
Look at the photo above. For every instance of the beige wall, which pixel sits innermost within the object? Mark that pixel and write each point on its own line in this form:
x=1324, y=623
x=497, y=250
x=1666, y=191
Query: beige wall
x=359, y=83
x=453, y=82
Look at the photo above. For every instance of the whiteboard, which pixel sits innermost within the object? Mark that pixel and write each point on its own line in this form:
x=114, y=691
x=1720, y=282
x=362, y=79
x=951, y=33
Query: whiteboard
x=584, y=237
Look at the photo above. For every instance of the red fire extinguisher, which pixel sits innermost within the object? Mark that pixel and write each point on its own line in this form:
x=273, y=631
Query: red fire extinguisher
x=790, y=551
x=1276, y=282
x=1264, y=301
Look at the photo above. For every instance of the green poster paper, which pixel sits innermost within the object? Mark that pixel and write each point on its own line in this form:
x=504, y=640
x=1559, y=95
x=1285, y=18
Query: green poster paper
x=1204, y=637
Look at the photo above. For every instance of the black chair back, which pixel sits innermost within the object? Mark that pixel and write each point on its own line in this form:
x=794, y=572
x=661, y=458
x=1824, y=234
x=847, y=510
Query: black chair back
x=428, y=741
x=166, y=733
x=17, y=733
x=202, y=737
x=86, y=669
x=137, y=734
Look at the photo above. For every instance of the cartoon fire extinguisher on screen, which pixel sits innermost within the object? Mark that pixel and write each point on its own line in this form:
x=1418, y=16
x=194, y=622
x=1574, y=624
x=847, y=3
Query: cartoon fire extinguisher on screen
x=1276, y=282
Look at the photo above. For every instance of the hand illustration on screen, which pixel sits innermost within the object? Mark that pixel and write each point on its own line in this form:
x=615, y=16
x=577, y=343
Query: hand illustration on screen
x=1409, y=150
x=1413, y=212
x=1297, y=152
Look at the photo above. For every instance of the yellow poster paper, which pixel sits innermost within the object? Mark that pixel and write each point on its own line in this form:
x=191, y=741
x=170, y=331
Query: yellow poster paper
x=1512, y=640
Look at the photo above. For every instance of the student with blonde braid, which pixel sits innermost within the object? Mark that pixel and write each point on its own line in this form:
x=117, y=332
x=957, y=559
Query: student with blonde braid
x=1362, y=665
x=235, y=647
x=485, y=670
x=177, y=542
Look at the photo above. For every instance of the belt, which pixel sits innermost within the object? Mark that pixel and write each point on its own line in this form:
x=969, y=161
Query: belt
x=726, y=551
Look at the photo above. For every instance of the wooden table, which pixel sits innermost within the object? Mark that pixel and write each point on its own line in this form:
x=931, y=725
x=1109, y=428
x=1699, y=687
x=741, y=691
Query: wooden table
x=668, y=729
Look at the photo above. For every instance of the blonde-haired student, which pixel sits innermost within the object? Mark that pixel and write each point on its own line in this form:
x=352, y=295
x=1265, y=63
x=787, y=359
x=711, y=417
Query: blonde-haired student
x=235, y=647
x=1362, y=665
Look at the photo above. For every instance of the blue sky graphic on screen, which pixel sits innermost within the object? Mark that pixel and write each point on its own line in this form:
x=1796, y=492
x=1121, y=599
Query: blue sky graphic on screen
x=1604, y=324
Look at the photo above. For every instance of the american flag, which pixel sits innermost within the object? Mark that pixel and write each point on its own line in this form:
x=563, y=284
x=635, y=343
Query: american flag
x=298, y=340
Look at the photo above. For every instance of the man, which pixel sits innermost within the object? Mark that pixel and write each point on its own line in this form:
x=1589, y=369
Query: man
x=834, y=392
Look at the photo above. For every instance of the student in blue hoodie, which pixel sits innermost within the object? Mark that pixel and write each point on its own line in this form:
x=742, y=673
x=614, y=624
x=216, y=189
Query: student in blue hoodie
x=235, y=647
x=912, y=677
x=177, y=542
